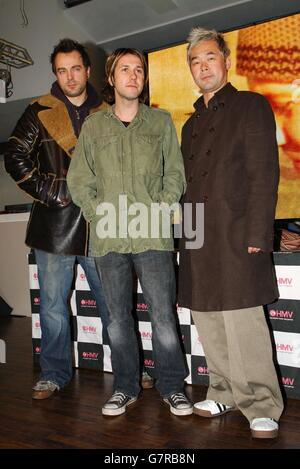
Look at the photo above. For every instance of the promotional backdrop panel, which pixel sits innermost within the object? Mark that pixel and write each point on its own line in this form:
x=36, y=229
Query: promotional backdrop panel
x=91, y=349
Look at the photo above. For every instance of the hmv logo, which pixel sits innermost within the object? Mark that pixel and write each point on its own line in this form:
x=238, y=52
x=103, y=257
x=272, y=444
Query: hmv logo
x=37, y=325
x=202, y=370
x=149, y=362
x=142, y=307
x=36, y=300
x=146, y=335
x=90, y=355
x=89, y=329
x=279, y=313
x=285, y=281
x=35, y=276
x=285, y=348
x=82, y=277
x=88, y=303
x=37, y=349
x=288, y=381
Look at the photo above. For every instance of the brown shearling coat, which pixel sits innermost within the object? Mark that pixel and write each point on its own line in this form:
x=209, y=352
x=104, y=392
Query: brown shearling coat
x=231, y=163
x=38, y=156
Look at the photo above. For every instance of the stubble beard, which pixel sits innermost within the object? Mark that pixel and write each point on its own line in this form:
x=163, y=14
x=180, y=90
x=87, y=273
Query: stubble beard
x=76, y=92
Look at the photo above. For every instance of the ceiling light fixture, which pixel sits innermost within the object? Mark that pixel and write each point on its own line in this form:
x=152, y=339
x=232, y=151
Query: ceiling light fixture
x=13, y=55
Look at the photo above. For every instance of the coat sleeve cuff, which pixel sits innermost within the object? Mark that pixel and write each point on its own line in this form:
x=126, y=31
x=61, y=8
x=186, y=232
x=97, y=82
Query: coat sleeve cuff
x=89, y=211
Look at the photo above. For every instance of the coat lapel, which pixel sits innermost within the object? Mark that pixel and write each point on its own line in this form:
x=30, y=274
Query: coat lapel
x=57, y=122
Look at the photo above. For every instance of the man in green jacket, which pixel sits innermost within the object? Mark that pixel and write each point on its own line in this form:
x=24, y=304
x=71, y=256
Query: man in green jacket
x=126, y=173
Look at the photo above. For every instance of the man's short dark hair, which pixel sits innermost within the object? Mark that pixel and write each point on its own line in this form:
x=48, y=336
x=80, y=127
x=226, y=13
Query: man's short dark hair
x=111, y=63
x=69, y=45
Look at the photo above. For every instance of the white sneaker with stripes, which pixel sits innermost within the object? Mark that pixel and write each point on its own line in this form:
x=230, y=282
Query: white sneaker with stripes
x=211, y=408
x=264, y=428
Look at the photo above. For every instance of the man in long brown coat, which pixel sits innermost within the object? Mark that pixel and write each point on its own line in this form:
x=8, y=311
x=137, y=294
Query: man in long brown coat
x=231, y=162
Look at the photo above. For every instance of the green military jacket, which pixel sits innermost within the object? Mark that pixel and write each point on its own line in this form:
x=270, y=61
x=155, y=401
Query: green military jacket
x=121, y=176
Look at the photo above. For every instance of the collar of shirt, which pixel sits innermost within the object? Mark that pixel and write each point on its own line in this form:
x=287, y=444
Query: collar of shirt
x=142, y=113
x=219, y=99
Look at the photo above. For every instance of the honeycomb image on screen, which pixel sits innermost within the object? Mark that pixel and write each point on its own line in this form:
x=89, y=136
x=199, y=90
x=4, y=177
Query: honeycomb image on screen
x=265, y=59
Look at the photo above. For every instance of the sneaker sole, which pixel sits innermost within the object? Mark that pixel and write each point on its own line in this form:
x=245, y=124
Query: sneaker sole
x=208, y=414
x=116, y=412
x=41, y=395
x=179, y=412
x=264, y=433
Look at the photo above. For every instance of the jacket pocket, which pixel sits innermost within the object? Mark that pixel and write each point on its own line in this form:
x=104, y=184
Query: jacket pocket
x=106, y=156
x=148, y=154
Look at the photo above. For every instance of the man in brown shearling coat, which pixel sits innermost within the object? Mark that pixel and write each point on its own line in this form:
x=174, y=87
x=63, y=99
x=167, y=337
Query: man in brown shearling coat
x=231, y=162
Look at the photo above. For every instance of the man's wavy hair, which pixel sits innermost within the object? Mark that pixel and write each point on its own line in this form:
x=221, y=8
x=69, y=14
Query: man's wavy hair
x=110, y=66
x=69, y=45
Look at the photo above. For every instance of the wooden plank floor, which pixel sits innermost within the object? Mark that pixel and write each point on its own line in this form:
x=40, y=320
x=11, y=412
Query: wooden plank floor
x=72, y=418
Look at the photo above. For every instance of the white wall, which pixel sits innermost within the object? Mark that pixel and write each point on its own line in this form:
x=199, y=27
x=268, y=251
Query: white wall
x=10, y=194
x=48, y=24
x=14, y=275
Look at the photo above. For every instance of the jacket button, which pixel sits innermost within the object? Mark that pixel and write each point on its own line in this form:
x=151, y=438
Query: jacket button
x=215, y=108
x=204, y=173
x=204, y=198
x=208, y=152
x=197, y=116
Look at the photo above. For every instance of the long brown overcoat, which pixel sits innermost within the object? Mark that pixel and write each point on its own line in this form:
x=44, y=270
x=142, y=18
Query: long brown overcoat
x=231, y=163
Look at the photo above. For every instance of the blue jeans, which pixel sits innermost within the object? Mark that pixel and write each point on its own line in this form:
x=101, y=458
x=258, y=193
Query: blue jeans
x=155, y=270
x=55, y=274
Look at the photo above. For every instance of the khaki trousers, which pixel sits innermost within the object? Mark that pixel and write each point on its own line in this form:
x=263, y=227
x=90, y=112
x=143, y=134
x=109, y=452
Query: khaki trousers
x=238, y=353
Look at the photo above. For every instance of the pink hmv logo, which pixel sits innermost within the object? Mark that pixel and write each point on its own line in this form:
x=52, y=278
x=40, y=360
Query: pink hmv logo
x=88, y=302
x=90, y=355
x=146, y=335
x=285, y=348
x=149, y=362
x=288, y=381
x=202, y=370
x=285, y=281
x=91, y=329
x=279, y=313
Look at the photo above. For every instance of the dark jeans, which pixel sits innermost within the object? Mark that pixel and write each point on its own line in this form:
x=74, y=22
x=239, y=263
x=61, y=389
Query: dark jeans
x=55, y=274
x=155, y=270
